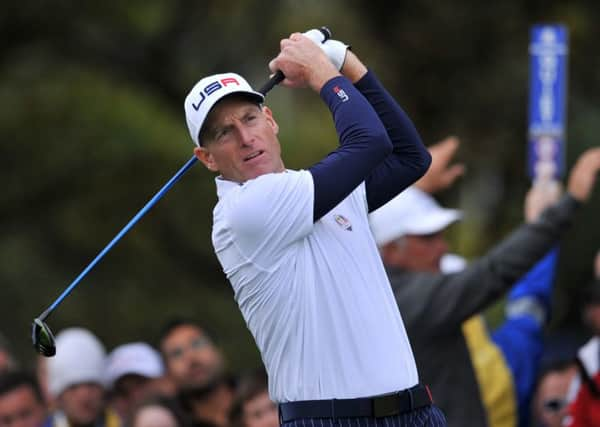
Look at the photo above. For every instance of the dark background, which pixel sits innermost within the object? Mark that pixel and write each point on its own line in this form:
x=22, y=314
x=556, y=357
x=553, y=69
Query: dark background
x=92, y=125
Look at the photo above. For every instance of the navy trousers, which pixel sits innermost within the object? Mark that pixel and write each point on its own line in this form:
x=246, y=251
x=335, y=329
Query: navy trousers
x=427, y=416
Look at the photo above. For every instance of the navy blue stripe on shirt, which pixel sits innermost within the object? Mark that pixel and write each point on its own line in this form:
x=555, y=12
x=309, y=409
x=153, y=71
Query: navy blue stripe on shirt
x=388, y=158
x=409, y=159
x=364, y=144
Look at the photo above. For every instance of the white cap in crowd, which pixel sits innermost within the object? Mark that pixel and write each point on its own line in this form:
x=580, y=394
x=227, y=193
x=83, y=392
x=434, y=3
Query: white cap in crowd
x=80, y=358
x=136, y=358
x=207, y=92
x=411, y=212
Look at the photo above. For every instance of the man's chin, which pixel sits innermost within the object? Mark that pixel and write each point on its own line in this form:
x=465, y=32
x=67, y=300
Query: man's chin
x=86, y=418
x=255, y=174
x=262, y=169
x=199, y=388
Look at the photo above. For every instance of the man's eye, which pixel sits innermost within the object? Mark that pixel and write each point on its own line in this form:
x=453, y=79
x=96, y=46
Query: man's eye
x=222, y=133
x=175, y=353
x=250, y=118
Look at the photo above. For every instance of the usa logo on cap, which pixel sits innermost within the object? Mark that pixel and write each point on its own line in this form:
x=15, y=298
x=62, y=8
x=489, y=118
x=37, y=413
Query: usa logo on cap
x=207, y=92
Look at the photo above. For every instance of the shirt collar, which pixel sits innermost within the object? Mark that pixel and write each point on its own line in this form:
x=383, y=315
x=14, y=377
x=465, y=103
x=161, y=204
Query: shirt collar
x=224, y=186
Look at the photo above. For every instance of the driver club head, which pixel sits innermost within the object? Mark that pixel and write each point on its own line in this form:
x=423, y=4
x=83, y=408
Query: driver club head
x=42, y=337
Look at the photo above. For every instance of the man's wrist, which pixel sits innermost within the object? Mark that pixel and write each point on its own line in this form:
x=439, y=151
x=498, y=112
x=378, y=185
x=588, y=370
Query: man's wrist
x=353, y=68
x=318, y=79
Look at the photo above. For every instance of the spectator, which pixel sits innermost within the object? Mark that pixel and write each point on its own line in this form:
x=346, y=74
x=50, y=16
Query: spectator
x=130, y=371
x=7, y=362
x=252, y=406
x=455, y=355
x=550, y=398
x=159, y=411
x=41, y=372
x=75, y=381
x=584, y=411
x=21, y=402
x=196, y=367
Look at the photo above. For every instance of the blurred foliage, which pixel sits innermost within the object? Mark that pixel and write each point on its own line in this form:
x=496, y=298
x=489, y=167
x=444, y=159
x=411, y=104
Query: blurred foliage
x=92, y=126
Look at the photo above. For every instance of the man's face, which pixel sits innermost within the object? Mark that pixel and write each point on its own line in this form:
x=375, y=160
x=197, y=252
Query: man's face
x=551, y=398
x=129, y=390
x=154, y=416
x=21, y=408
x=191, y=358
x=592, y=317
x=240, y=140
x=260, y=411
x=82, y=403
x=6, y=361
x=422, y=252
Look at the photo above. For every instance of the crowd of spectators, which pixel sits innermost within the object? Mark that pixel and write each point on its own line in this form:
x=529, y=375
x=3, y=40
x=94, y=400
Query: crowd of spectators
x=501, y=376
x=182, y=381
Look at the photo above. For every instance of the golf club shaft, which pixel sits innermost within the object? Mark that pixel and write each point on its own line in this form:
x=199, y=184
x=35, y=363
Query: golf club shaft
x=121, y=233
x=275, y=79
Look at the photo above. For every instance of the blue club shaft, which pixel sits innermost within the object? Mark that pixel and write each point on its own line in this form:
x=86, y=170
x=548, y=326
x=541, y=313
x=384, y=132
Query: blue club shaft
x=121, y=233
x=274, y=80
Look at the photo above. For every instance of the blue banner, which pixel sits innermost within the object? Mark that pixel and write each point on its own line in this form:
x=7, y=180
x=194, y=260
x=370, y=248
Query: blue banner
x=548, y=52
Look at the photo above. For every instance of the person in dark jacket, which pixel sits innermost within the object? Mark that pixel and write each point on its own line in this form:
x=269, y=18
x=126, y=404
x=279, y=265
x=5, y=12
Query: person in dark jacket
x=453, y=350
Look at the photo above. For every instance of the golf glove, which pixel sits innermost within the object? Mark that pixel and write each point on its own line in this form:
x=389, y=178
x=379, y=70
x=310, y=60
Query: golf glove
x=336, y=52
x=334, y=49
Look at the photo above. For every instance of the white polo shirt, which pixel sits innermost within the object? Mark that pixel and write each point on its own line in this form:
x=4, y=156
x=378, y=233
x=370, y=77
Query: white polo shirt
x=314, y=295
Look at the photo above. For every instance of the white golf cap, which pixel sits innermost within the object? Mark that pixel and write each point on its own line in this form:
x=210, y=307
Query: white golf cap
x=411, y=212
x=80, y=358
x=207, y=92
x=136, y=358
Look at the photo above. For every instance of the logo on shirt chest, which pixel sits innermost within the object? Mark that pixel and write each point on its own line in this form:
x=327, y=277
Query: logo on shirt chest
x=343, y=222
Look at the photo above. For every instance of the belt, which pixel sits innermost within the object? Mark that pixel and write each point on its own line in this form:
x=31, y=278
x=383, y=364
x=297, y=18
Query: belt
x=377, y=406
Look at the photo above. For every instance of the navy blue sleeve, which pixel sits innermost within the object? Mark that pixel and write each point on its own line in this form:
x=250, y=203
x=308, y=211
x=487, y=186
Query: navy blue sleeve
x=364, y=144
x=409, y=159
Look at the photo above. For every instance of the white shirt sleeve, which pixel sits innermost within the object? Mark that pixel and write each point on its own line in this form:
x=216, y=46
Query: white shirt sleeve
x=268, y=214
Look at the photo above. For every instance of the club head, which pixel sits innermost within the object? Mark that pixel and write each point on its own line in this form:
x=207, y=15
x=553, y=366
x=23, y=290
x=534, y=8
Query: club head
x=43, y=339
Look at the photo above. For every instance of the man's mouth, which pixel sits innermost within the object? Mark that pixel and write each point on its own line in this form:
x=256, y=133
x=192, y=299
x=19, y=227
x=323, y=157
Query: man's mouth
x=253, y=155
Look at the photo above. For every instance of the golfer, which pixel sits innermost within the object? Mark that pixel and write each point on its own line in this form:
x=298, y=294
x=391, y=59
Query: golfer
x=296, y=245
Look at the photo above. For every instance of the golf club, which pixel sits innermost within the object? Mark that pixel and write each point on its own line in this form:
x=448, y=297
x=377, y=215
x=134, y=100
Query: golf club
x=41, y=335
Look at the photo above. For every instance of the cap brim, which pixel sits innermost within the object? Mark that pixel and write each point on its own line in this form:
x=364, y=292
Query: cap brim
x=433, y=223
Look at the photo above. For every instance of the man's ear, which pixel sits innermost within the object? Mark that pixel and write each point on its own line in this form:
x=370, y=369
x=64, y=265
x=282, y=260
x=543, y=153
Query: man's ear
x=206, y=158
x=269, y=115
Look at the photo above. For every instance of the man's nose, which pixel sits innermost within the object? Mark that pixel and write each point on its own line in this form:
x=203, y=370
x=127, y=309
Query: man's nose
x=246, y=137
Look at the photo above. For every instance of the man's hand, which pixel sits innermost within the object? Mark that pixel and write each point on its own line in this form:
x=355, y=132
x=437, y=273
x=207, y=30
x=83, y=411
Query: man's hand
x=583, y=174
x=539, y=197
x=441, y=174
x=340, y=55
x=303, y=63
x=334, y=49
